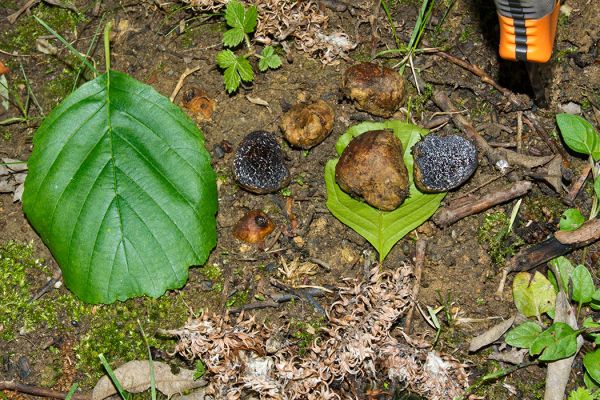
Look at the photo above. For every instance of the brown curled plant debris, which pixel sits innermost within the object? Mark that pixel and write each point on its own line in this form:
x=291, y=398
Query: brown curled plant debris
x=356, y=342
x=302, y=21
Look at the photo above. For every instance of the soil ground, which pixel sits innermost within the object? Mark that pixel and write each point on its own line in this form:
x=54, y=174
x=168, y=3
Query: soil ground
x=459, y=271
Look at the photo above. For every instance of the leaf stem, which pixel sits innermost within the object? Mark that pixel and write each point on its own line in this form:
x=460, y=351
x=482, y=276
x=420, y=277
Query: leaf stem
x=107, y=29
x=595, y=173
x=248, y=43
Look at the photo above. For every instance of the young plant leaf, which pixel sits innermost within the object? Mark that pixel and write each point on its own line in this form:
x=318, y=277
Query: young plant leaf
x=237, y=17
x=236, y=69
x=533, y=297
x=121, y=190
x=591, y=362
x=590, y=323
x=381, y=228
x=579, y=135
x=269, y=59
x=597, y=187
x=523, y=336
x=556, y=342
x=571, y=220
x=583, y=285
x=590, y=383
x=565, y=269
x=233, y=37
x=580, y=394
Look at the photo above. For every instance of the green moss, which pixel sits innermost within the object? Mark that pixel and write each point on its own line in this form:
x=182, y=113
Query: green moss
x=305, y=332
x=18, y=270
x=494, y=234
x=59, y=86
x=114, y=332
x=239, y=298
x=21, y=37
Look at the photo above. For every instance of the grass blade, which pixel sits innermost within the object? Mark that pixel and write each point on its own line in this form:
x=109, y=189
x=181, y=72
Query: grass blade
x=71, y=392
x=113, y=377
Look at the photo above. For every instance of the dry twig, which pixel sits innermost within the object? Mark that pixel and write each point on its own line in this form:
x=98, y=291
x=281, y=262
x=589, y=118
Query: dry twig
x=39, y=391
x=419, y=260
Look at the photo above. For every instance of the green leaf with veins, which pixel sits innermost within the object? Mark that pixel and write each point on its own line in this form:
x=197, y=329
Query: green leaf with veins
x=238, y=17
x=523, y=335
x=583, y=285
x=591, y=361
x=268, y=59
x=565, y=269
x=571, y=220
x=233, y=37
x=580, y=394
x=381, y=228
x=579, y=135
x=533, y=297
x=121, y=190
x=557, y=342
x=236, y=69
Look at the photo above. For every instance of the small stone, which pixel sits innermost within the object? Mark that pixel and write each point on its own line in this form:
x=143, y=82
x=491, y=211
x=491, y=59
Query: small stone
x=443, y=163
x=259, y=166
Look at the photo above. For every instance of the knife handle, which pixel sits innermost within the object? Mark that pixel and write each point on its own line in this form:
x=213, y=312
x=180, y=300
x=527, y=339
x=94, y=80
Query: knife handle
x=527, y=29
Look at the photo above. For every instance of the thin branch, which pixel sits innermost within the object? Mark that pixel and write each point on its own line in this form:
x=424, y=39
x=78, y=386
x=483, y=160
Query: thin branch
x=39, y=391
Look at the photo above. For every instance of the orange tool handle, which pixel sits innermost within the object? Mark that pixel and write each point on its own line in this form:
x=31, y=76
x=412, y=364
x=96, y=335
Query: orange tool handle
x=527, y=29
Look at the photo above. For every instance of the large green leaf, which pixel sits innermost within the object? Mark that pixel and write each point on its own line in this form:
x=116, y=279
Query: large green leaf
x=121, y=190
x=381, y=228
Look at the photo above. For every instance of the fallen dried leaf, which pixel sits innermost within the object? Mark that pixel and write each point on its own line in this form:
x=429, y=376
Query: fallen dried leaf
x=491, y=335
x=134, y=376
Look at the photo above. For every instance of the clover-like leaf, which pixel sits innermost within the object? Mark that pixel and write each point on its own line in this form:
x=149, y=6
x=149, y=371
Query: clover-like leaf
x=238, y=17
x=535, y=296
x=381, y=228
x=269, y=59
x=556, y=342
x=121, y=190
x=523, y=336
x=236, y=69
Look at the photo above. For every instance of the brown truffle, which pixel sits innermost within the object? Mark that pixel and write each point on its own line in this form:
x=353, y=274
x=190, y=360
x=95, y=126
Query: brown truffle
x=372, y=167
x=254, y=227
x=375, y=89
x=307, y=124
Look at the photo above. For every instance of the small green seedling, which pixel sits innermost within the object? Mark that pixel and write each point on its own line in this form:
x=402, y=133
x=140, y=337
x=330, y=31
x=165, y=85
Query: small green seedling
x=581, y=137
x=559, y=340
x=236, y=68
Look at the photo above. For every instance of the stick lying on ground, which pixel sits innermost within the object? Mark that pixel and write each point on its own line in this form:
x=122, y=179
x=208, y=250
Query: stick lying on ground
x=494, y=155
x=449, y=215
x=561, y=243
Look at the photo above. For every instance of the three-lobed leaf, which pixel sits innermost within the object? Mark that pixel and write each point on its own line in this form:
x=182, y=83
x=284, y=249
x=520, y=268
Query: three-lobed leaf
x=557, y=342
x=381, y=228
x=237, y=69
x=524, y=335
x=571, y=220
x=121, y=190
x=268, y=59
x=533, y=297
x=579, y=135
x=238, y=17
x=583, y=285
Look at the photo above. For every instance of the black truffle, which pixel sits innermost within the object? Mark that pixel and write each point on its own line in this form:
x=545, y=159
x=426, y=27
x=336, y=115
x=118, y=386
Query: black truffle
x=443, y=163
x=258, y=165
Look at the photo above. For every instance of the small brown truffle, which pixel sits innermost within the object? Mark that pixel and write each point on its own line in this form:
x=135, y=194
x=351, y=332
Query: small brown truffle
x=306, y=125
x=375, y=89
x=372, y=167
x=254, y=227
x=199, y=103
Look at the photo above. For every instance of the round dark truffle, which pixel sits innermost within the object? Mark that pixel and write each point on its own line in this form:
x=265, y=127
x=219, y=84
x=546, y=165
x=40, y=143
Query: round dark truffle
x=258, y=165
x=443, y=163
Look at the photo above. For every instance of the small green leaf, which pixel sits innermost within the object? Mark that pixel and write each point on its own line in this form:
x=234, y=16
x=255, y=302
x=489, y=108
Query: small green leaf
x=591, y=362
x=580, y=394
x=250, y=19
x=565, y=269
x=237, y=17
x=590, y=323
x=583, y=285
x=571, y=220
x=595, y=304
x=589, y=382
x=533, y=297
x=226, y=59
x=597, y=187
x=579, y=134
x=523, y=335
x=199, y=371
x=382, y=229
x=269, y=59
x=556, y=342
x=233, y=37
x=232, y=79
x=245, y=69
